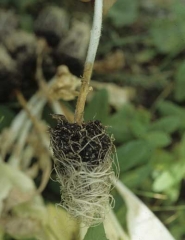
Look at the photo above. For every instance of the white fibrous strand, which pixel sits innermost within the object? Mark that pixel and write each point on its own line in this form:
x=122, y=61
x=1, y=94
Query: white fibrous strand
x=83, y=156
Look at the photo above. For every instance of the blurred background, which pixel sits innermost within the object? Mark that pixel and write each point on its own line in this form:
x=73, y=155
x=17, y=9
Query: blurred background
x=139, y=92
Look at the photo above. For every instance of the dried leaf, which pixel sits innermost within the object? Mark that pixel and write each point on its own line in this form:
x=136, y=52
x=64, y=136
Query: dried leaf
x=142, y=223
x=65, y=85
x=28, y=210
x=111, y=63
x=113, y=228
x=118, y=96
x=16, y=177
x=61, y=224
x=21, y=228
x=12, y=178
x=5, y=186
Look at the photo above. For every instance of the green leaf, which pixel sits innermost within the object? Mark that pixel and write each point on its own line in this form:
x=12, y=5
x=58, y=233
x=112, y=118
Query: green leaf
x=133, y=153
x=167, y=124
x=161, y=159
x=178, y=9
x=167, y=108
x=137, y=128
x=169, y=177
x=181, y=147
x=96, y=233
x=1, y=118
x=143, y=116
x=173, y=192
x=119, y=123
x=5, y=2
x=165, y=180
x=139, y=123
x=180, y=83
x=136, y=177
x=169, y=33
x=98, y=107
x=22, y=4
x=26, y=22
x=7, y=116
x=158, y=139
x=124, y=12
x=145, y=55
x=129, y=123
x=167, y=36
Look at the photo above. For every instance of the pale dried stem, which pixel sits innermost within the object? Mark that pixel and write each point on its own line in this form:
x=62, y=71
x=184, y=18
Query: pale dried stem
x=19, y=129
x=46, y=166
x=24, y=105
x=40, y=130
x=93, y=45
x=15, y=157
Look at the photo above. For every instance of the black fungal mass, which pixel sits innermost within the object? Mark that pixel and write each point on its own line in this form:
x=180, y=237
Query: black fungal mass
x=87, y=142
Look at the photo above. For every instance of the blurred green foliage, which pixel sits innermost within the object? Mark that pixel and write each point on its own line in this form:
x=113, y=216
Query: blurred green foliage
x=151, y=152
x=149, y=132
x=168, y=33
x=124, y=12
x=96, y=233
x=6, y=116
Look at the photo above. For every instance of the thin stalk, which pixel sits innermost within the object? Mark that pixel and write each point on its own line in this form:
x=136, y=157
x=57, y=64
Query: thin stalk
x=91, y=54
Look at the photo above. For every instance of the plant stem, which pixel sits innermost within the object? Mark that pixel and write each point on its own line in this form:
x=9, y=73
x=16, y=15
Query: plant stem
x=91, y=54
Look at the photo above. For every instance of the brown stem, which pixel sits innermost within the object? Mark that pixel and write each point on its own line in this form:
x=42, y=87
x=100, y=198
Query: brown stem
x=84, y=90
x=24, y=105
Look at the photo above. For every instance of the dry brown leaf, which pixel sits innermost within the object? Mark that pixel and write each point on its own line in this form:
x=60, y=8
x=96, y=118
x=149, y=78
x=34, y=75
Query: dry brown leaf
x=19, y=227
x=60, y=223
x=111, y=63
x=141, y=222
x=118, y=96
x=65, y=85
x=15, y=198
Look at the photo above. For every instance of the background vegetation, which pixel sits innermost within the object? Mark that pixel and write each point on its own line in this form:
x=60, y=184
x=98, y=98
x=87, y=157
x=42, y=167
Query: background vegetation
x=142, y=52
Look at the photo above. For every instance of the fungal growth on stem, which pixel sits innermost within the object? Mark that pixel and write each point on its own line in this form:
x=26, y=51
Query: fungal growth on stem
x=83, y=152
